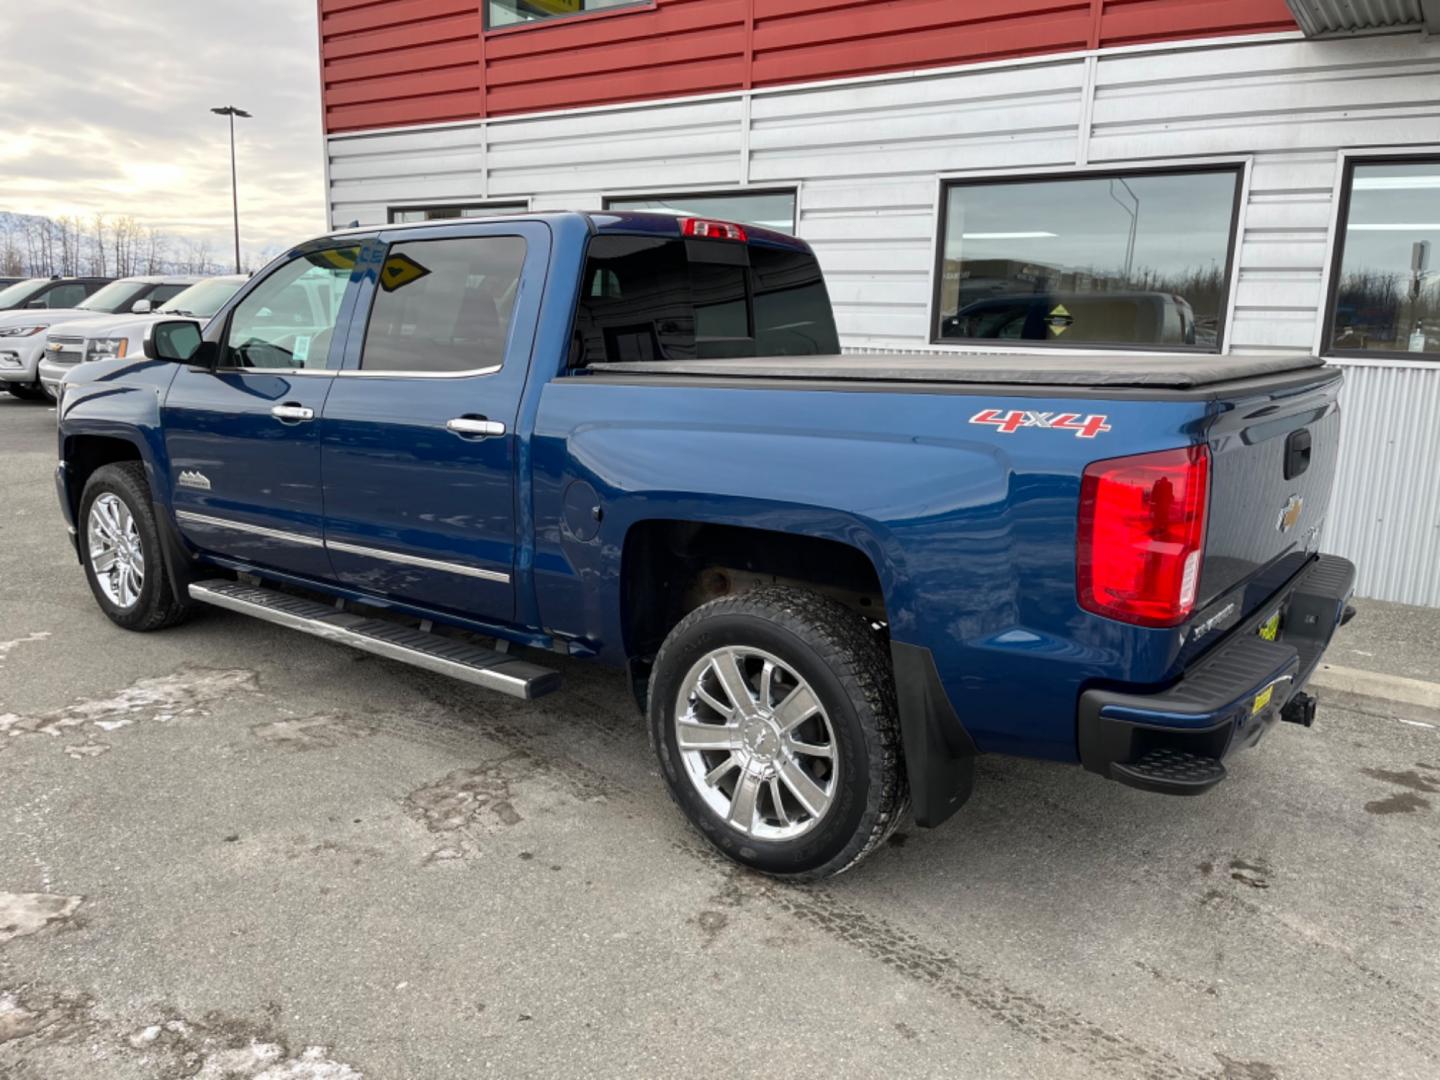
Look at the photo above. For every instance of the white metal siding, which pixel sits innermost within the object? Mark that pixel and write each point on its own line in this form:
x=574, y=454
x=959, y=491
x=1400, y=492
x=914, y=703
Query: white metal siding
x=868, y=156
x=1385, y=516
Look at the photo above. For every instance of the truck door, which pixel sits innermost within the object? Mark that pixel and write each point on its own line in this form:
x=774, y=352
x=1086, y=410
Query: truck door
x=243, y=438
x=419, y=441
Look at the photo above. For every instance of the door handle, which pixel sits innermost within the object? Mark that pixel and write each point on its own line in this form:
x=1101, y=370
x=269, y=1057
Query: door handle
x=292, y=413
x=475, y=427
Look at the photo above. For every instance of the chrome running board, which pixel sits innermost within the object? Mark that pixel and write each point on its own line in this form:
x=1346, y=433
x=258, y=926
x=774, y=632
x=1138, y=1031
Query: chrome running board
x=460, y=660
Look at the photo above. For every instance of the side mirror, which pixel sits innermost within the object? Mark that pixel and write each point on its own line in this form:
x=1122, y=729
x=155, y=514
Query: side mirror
x=142, y=307
x=176, y=341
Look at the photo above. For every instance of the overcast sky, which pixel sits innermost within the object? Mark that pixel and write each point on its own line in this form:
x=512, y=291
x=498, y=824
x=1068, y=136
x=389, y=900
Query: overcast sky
x=105, y=107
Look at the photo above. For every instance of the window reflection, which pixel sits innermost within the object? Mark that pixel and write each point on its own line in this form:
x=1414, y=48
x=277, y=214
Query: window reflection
x=1387, y=297
x=1135, y=259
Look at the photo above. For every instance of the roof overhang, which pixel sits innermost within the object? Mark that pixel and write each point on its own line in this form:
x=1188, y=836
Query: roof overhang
x=1319, y=17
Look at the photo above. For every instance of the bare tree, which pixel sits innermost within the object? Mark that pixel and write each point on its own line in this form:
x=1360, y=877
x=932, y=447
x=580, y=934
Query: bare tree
x=154, y=257
x=99, y=263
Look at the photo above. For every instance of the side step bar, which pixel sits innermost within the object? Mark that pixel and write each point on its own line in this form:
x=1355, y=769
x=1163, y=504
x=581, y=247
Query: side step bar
x=433, y=652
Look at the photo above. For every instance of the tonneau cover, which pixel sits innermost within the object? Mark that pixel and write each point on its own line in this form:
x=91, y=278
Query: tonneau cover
x=1188, y=372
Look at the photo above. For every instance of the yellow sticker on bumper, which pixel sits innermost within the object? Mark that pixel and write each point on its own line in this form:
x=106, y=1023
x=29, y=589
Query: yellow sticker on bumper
x=1270, y=628
x=1262, y=699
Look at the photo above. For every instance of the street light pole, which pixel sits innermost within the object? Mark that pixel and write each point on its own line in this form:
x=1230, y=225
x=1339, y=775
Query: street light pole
x=232, y=112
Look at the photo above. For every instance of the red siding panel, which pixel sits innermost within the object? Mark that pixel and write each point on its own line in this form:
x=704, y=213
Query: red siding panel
x=395, y=62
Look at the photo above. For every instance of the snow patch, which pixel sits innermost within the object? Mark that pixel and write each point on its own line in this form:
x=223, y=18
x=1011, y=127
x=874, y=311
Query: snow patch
x=7, y=646
x=22, y=914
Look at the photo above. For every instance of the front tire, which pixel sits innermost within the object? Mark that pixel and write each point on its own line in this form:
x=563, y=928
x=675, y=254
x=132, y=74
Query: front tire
x=27, y=391
x=120, y=548
x=773, y=715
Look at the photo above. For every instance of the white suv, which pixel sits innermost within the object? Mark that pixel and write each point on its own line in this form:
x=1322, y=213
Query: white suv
x=22, y=332
x=101, y=337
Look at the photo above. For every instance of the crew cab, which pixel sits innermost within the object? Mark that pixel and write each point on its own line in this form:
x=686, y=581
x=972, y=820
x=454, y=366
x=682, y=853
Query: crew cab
x=833, y=580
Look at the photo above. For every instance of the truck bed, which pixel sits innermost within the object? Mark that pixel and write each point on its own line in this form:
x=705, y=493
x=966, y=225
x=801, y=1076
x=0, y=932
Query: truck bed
x=1108, y=370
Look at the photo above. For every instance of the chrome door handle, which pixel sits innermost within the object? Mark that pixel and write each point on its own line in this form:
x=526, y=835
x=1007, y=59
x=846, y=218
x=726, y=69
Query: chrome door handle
x=476, y=426
x=292, y=412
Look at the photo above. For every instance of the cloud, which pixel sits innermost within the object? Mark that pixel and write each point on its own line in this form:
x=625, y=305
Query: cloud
x=106, y=109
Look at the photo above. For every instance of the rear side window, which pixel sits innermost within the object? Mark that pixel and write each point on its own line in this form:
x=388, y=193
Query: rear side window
x=444, y=305
x=66, y=296
x=161, y=293
x=647, y=299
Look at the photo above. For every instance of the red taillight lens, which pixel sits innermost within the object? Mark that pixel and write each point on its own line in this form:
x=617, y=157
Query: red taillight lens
x=712, y=230
x=1142, y=534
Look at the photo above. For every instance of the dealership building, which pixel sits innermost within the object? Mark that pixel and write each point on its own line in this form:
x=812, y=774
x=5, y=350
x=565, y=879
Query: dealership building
x=1188, y=177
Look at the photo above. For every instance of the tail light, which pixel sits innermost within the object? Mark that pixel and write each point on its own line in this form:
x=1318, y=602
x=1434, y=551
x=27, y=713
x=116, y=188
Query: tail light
x=712, y=230
x=1142, y=535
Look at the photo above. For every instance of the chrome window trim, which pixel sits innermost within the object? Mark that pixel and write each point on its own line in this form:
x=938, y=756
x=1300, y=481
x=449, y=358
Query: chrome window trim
x=274, y=371
x=416, y=560
x=241, y=526
x=390, y=373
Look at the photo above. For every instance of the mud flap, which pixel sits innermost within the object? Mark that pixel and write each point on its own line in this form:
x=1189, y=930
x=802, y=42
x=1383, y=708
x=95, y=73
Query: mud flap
x=939, y=753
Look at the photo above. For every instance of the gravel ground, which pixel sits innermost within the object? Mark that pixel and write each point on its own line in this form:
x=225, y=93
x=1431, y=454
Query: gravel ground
x=229, y=850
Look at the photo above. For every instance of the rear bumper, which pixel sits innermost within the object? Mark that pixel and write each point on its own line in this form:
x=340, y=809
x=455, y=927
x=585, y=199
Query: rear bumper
x=1174, y=741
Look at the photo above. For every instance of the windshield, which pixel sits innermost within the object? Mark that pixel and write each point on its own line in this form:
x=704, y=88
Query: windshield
x=113, y=298
x=21, y=291
x=203, y=299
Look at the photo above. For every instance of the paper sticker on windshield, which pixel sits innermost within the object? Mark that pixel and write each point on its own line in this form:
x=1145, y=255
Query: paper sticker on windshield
x=1010, y=421
x=301, y=352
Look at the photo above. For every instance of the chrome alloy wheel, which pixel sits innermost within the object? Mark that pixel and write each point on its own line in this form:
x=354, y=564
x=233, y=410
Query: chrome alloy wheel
x=756, y=743
x=116, y=554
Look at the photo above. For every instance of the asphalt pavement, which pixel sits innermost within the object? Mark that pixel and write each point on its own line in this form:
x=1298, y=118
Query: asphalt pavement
x=229, y=850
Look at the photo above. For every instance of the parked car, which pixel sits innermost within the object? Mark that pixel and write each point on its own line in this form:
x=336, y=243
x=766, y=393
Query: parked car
x=6, y=282
x=832, y=580
x=101, y=337
x=1144, y=318
x=51, y=292
x=22, y=332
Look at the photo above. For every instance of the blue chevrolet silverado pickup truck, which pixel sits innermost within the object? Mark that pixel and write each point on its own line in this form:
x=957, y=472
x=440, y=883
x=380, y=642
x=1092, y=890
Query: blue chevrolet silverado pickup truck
x=832, y=580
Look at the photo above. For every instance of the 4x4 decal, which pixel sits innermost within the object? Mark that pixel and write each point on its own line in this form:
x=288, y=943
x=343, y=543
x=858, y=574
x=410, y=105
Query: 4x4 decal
x=1013, y=420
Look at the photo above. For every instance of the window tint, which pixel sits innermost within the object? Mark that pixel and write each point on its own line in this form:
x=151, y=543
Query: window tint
x=64, y=296
x=288, y=321
x=512, y=12
x=399, y=215
x=1140, y=259
x=774, y=210
x=162, y=293
x=444, y=305
x=1387, y=298
x=647, y=299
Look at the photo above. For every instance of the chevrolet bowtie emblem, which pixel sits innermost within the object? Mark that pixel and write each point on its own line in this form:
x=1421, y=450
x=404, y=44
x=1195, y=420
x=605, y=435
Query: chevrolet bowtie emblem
x=1290, y=514
x=54, y=346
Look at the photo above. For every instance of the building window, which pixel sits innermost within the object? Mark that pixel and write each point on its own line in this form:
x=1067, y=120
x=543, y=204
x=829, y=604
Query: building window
x=405, y=215
x=1139, y=259
x=773, y=210
x=502, y=13
x=1385, y=299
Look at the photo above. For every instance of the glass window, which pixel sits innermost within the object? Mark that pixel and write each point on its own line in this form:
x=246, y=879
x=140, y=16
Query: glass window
x=64, y=296
x=513, y=12
x=1141, y=259
x=203, y=299
x=288, y=321
x=647, y=299
x=114, y=298
x=1387, y=294
x=19, y=294
x=403, y=216
x=444, y=305
x=773, y=210
x=161, y=293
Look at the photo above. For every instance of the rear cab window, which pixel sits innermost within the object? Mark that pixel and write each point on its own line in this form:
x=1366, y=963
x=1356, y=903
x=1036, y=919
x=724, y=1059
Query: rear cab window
x=647, y=298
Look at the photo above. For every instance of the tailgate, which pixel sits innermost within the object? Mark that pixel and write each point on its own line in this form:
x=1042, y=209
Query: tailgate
x=1273, y=465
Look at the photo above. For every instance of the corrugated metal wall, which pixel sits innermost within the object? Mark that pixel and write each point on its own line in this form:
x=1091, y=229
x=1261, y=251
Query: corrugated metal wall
x=1387, y=508
x=867, y=156
x=394, y=62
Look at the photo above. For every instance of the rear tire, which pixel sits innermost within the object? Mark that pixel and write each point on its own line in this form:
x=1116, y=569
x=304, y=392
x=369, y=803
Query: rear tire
x=121, y=550
x=796, y=786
